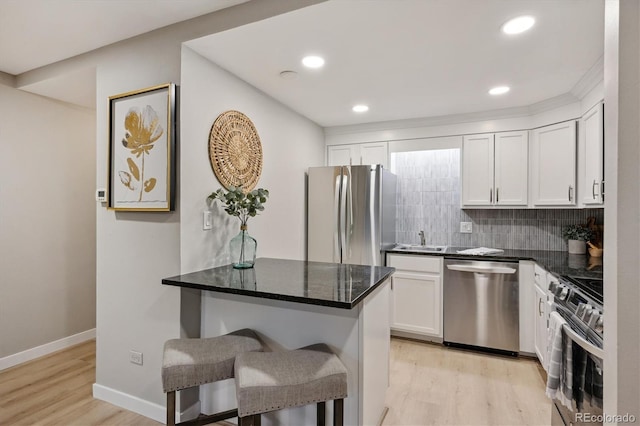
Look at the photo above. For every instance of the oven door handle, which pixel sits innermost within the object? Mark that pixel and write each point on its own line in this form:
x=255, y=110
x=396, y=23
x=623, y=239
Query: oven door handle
x=593, y=350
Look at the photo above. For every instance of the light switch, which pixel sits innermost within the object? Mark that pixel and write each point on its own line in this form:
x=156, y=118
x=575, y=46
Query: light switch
x=466, y=227
x=207, y=219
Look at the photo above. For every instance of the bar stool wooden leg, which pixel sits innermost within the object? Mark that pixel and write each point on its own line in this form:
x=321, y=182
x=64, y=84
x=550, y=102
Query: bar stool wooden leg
x=338, y=412
x=171, y=408
x=321, y=413
x=255, y=420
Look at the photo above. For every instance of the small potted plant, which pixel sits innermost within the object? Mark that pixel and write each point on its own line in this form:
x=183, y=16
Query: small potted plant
x=242, y=205
x=577, y=237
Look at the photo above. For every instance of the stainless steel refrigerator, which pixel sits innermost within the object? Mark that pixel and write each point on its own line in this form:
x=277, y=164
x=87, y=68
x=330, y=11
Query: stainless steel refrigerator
x=351, y=213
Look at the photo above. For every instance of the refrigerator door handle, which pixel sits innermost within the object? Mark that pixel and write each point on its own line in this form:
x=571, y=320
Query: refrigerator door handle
x=343, y=213
x=337, y=255
x=348, y=213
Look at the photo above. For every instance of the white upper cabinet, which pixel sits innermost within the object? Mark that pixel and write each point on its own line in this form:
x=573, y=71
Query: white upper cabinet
x=592, y=156
x=511, y=161
x=375, y=153
x=357, y=154
x=477, y=170
x=553, y=165
x=343, y=155
x=494, y=169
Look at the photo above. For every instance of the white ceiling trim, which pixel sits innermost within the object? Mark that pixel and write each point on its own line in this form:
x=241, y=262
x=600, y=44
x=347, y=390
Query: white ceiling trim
x=590, y=79
x=498, y=114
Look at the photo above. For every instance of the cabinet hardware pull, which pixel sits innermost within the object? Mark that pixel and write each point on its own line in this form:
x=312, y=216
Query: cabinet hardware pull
x=491, y=195
x=539, y=309
x=593, y=189
x=570, y=193
x=497, y=195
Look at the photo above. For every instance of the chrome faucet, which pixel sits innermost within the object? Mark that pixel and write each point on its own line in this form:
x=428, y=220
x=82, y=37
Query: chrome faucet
x=422, y=240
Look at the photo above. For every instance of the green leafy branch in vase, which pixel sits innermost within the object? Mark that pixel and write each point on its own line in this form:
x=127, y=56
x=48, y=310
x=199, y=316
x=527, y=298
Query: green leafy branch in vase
x=143, y=129
x=240, y=204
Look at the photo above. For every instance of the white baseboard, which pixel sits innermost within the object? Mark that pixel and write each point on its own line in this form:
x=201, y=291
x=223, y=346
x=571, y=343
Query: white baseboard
x=46, y=349
x=140, y=406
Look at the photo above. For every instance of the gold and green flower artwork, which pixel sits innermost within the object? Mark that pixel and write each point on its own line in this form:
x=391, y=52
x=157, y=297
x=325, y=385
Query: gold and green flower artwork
x=143, y=129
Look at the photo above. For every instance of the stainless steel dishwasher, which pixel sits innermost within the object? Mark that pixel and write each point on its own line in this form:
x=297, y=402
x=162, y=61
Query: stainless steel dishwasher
x=481, y=304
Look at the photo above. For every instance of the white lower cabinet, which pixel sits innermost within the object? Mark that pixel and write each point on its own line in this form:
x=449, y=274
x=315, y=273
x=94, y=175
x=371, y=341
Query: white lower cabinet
x=541, y=315
x=416, y=296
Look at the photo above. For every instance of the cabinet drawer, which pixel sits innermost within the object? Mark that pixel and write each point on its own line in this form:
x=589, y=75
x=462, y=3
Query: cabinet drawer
x=415, y=263
x=540, y=277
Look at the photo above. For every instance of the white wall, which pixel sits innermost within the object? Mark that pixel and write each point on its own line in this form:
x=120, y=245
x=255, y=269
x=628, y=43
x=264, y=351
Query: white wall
x=622, y=177
x=136, y=250
x=47, y=226
x=290, y=144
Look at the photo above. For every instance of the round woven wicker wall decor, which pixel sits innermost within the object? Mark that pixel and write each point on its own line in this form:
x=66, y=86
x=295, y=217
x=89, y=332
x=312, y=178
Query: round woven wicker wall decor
x=235, y=151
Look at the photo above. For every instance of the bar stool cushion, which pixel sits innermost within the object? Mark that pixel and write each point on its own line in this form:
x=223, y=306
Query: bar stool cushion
x=271, y=381
x=193, y=362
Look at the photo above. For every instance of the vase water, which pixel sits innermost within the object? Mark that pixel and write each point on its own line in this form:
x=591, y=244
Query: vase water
x=242, y=248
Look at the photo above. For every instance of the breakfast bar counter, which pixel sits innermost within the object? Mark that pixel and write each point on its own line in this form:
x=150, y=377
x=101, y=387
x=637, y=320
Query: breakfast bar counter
x=291, y=304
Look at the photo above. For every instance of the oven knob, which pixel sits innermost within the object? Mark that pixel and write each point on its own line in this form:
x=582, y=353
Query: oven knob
x=564, y=293
x=580, y=309
x=588, y=311
x=599, y=325
x=553, y=286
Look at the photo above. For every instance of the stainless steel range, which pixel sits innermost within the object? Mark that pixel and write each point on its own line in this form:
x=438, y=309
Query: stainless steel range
x=579, y=301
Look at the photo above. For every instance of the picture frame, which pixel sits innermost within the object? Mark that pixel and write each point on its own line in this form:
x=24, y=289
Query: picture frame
x=142, y=147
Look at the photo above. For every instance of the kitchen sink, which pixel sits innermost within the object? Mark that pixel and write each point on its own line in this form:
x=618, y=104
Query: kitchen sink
x=421, y=248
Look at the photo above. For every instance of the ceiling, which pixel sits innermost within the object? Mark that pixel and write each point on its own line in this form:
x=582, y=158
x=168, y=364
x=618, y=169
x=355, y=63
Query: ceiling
x=404, y=58
x=34, y=33
x=413, y=58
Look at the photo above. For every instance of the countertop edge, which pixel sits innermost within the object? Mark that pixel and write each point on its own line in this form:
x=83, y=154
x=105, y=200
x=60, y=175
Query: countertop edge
x=297, y=299
x=541, y=259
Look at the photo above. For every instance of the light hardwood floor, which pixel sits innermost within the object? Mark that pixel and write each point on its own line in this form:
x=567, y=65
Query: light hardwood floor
x=430, y=385
x=435, y=385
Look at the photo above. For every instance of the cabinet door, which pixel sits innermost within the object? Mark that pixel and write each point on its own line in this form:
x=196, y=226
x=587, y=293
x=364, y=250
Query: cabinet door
x=511, y=161
x=593, y=143
x=540, y=323
x=554, y=165
x=477, y=170
x=374, y=153
x=417, y=299
x=343, y=155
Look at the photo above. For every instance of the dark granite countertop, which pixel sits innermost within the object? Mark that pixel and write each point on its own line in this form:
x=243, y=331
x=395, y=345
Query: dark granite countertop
x=556, y=262
x=316, y=283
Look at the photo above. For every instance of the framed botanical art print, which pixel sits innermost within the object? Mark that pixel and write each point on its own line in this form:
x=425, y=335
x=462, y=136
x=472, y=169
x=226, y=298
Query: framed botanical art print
x=142, y=138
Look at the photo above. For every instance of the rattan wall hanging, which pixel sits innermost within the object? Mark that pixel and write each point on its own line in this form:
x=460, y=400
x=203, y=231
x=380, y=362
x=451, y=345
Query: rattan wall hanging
x=235, y=151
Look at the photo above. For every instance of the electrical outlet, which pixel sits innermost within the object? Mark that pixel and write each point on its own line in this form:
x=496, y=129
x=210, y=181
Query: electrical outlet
x=466, y=227
x=135, y=357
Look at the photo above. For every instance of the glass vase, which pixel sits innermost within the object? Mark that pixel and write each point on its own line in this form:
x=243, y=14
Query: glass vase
x=242, y=248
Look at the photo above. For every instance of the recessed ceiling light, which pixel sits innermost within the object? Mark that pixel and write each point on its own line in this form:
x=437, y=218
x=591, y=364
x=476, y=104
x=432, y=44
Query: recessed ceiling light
x=360, y=108
x=518, y=25
x=500, y=90
x=312, y=61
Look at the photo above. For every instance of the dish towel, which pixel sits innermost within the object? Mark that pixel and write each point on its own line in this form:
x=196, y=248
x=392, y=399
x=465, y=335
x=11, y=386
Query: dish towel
x=559, y=361
x=481, y=251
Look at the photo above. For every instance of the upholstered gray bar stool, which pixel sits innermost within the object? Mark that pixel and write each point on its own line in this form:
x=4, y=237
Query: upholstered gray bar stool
x=193, y=362
x=269, y=381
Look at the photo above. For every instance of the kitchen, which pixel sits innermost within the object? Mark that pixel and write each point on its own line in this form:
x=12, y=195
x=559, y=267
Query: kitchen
x=196, y=249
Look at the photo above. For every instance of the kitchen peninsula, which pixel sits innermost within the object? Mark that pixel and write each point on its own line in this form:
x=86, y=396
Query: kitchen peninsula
x=291, y=304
